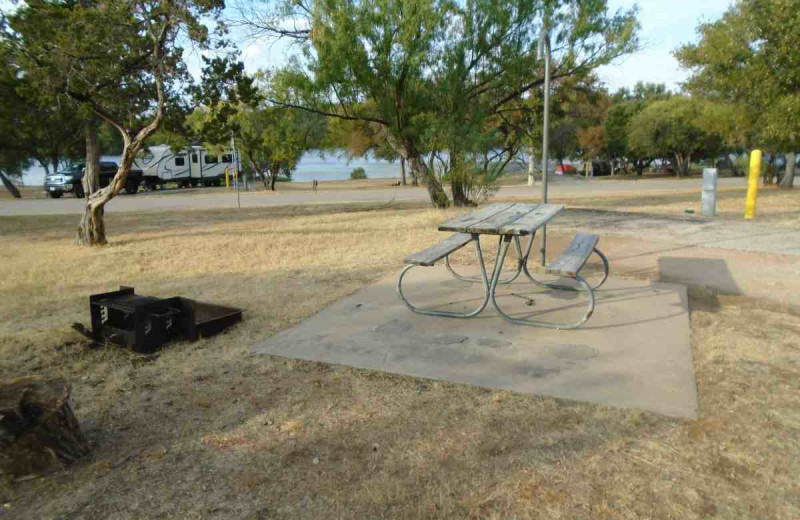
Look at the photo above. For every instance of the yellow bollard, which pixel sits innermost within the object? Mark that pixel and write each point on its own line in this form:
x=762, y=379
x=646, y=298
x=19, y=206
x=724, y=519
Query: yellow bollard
x=227, y=181
x=752, y=184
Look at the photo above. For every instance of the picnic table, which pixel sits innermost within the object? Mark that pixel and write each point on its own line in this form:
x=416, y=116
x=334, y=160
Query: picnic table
x=510, y=222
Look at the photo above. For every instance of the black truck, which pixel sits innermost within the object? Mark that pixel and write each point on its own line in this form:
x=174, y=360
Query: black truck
x=69, y=179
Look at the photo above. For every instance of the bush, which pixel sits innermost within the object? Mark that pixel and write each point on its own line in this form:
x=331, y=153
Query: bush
x=358, y=173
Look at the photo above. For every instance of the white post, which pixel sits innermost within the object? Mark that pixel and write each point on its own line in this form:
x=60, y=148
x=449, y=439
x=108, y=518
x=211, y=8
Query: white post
x=531, y=167
x=708, y=207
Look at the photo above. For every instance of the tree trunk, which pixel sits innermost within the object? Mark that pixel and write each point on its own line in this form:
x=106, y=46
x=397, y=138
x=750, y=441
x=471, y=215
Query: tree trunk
x=10, y=186
x=403, y=171
x=682, y=164
x=788, y=177
x=38, y=429
x=91, y=178
x=407, y=149
x=272, y=179
x=91, y=229
x=435, y=192
x=460, y=198
x=768, y=171
x=259, y=172
x=531, y=166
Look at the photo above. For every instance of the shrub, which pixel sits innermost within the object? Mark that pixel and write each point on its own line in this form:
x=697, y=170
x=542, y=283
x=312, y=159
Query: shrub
x=358, y=173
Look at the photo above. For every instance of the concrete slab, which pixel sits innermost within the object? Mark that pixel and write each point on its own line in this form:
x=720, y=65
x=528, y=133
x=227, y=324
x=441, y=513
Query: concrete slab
x=635, y=351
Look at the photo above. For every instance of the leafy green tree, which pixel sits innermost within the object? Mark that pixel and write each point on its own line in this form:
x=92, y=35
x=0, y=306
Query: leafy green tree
x=121, y=60
x=14, y=155
x=418, y=67
x=674, y=128
x=273, y=139
x=44, y=129
x=749, y=59
x=625, y=105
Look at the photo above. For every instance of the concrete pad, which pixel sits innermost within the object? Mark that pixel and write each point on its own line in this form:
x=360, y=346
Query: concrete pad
x=634, y=352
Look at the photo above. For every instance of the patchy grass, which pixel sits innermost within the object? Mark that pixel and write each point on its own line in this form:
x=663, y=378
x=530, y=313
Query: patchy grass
x=774, y=206
x=208, y=431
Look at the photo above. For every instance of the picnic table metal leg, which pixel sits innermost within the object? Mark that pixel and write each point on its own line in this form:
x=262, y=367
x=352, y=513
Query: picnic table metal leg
x=521, y=261
x=556, y=285
x=450, y=314
x=501, y=255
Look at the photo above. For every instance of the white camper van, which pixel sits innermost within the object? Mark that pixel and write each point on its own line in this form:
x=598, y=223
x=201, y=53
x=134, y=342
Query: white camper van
x=193, y=166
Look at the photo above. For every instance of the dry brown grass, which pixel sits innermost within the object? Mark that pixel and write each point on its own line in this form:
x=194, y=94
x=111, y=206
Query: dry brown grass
x=774, y=206
x=208, y=431
x=27, y=192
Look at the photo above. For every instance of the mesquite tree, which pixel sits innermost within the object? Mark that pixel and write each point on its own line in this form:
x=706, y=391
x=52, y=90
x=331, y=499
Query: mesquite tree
x=120, y=59
x=433, y=69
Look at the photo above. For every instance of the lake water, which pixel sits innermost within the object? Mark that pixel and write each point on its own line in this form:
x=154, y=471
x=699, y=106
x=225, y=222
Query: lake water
x=330, y=167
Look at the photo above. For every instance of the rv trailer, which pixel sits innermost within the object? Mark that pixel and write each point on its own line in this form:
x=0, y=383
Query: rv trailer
x=191, y=166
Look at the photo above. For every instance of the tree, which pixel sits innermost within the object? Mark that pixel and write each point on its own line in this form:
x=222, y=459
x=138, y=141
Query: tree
x=418, y=67
x=749, y=60
x=121, y=60
x=14, y=157
x=673, y=128
x=273, y=139
x=625, y=105
x=33, y=127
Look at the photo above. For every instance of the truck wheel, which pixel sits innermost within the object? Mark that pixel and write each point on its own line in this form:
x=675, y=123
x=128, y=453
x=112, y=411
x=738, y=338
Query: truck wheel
x=131, y=187
x=194, y=183
x=78, y=191
x=56, y=194
x=217, y=182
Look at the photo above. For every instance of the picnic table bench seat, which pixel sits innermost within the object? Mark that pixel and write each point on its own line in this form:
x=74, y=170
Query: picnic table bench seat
x=573, y=258
x=428, y=257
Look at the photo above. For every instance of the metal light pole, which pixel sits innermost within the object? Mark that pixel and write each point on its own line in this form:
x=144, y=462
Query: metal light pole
x=544, y=53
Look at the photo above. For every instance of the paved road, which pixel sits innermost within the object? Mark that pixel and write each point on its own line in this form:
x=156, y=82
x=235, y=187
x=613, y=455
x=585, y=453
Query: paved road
x=197, y=198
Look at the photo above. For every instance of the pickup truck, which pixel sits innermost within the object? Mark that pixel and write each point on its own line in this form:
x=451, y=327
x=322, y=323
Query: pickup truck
x=69, y=180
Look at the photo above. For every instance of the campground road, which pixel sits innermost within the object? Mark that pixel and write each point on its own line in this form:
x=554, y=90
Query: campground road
x=196, y=198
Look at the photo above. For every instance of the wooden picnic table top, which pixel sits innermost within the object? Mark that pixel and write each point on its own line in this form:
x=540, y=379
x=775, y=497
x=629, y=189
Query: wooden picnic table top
x=505, y=218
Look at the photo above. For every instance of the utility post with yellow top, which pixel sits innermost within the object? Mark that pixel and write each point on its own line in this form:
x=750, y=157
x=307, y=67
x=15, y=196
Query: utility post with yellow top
x=752, y=184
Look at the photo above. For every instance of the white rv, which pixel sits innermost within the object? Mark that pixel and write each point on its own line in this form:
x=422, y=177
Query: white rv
x=193, y=166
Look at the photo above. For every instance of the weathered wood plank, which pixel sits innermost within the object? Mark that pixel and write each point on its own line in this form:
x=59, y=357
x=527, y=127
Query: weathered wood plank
x=532, y=221
x=461, y=223
x=574, y=256
x=436, y=252
x=493, y=224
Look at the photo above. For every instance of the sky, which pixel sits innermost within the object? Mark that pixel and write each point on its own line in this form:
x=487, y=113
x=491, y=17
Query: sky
x=665, y=25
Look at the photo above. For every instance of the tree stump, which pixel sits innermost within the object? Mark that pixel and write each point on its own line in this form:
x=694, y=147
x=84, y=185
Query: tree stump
x=38, y=429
